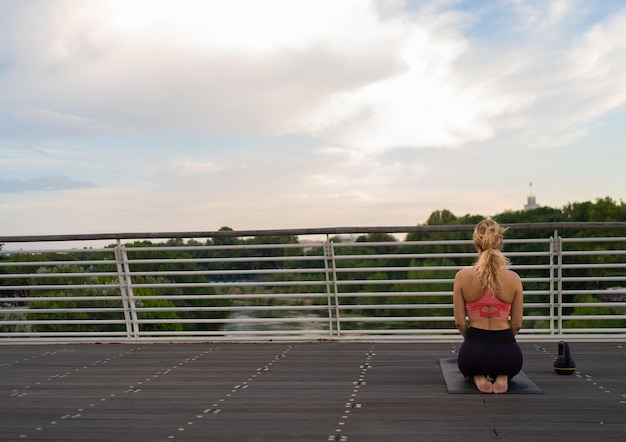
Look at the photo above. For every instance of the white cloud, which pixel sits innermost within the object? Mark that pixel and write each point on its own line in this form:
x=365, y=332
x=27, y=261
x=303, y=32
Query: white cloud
x=541, y=15
x=339, y=71
x=576, y=88
x=196, y=166
x=241, y=25
x=559, y=139
x=75, y=121
x=46, y=184
x=598, y=65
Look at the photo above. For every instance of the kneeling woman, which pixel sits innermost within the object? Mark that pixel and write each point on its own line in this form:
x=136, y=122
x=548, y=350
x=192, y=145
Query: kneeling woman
x=488, y=294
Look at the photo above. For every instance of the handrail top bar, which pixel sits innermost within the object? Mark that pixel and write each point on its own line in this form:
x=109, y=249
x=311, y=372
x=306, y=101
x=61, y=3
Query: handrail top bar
x=307, y=231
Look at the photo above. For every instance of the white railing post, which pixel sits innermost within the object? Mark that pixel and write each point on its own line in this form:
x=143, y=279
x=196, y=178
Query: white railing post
x=553, y=278
x=126, y=290
x=557, y=250
x=331, y=287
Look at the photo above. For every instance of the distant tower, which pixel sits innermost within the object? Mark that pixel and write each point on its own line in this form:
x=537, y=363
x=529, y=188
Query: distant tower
x=532, y=203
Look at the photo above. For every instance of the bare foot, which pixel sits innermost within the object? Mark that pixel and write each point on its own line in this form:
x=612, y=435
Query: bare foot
x=501, y=384
x=483, y=384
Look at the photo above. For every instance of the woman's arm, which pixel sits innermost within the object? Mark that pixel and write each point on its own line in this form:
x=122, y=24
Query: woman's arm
x=517, y=306
x=460, y=319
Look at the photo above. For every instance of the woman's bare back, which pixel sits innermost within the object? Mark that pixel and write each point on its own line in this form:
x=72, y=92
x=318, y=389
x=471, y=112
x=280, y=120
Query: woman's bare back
x=511, y=293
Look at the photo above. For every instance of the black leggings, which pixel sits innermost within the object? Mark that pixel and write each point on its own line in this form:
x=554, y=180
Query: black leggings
x=490, y=353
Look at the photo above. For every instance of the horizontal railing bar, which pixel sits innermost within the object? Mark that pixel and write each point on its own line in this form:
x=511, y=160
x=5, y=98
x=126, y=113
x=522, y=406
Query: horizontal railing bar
x=57, y=275
x=230, y=284
x=471, y=255
x=278, y=246
x=235, y=296
x=594, y=239
x=229, y=272
x=406, y=256
x=90, y=250
x=428, y=268
x=420, y=294
x=593, y=278
x=589, y=292
x=320, y=308
x=256, y=296
x=393, y=281
x=393, y=306
x=251, y=271
x=593, y=317
x=443, y=242
x=62, y=298
x=262, y=308
x=397, y=269
x=54, y=263
x=80, y=334
x=66, y=321
x=398, y=319
x=308, y=231
x=59, y=287
x=233, y=321
x=593, y=330
x=619, y=265
x=593, y=252
x=38, y=311
x=429, y=331
x=610, y=304
x=226, y=260
x=246, y=333
x=266, y=295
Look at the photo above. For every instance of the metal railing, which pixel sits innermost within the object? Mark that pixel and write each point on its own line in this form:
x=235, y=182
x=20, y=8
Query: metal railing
x=305, y=284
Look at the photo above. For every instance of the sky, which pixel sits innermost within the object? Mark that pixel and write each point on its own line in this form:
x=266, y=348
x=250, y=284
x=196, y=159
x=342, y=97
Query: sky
x=180, y=115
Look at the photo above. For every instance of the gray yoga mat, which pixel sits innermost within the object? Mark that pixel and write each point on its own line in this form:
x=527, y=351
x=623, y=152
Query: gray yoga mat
x=457, y=384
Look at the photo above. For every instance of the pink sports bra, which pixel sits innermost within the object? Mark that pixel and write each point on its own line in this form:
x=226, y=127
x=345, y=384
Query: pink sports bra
x=475, y=309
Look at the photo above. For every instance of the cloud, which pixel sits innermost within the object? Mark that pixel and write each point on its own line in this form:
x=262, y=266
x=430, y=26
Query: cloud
x=540, y=15
x=46, y=184
x=73, y=121
x=566, y=71
x=597, y=65
x=349, y=73
x=206, y=166
x=559, y=139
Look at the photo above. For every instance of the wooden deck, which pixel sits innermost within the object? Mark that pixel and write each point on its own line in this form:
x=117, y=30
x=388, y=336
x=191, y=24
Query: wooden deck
x=325, y=391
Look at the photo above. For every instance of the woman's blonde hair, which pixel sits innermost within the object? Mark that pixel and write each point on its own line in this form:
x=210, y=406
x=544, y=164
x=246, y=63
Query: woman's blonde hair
x=489, y=239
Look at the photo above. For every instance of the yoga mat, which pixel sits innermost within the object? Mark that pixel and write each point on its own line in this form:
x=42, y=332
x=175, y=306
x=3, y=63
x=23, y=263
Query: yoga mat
x=457, y=384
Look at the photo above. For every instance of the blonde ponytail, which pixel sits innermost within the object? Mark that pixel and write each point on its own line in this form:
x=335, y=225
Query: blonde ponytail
x=488, y=238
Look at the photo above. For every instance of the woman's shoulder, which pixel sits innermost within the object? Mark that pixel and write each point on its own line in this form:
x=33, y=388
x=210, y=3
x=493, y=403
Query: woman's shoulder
x=511, y=276
x=465, y=272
